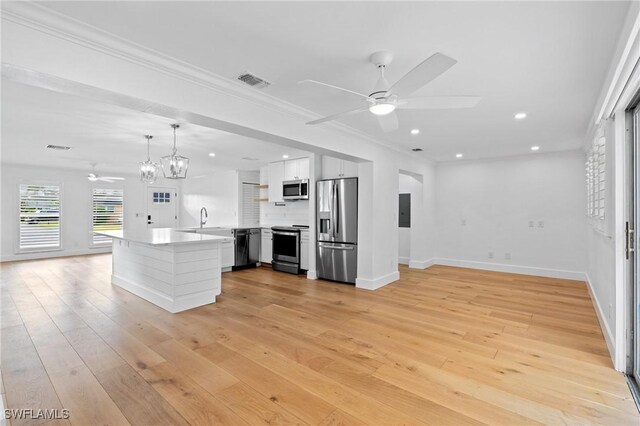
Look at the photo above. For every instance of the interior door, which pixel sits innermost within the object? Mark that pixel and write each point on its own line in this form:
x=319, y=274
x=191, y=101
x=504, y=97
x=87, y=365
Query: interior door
x=161, y=207
x=636, y=275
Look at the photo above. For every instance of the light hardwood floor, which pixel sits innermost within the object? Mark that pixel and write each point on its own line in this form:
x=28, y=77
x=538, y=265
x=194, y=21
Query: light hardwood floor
x=441, y=346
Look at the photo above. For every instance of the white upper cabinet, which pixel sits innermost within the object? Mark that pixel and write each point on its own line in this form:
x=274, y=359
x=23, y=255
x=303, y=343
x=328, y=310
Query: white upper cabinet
x=296, y=169
x=333, y=168
x=276, y=176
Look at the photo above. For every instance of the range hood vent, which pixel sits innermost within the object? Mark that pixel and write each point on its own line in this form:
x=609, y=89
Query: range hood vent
x=58, y=147
x=253, y=80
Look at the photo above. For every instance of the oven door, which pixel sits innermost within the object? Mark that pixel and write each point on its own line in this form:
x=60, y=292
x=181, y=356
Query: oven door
x=286, y=246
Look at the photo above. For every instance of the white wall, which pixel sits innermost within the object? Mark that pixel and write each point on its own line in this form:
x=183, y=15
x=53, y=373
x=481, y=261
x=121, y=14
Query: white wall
x=76, y=193
x=408, y=184
x=488, y=206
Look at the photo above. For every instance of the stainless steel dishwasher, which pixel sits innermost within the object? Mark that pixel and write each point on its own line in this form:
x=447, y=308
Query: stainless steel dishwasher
x=247, y=248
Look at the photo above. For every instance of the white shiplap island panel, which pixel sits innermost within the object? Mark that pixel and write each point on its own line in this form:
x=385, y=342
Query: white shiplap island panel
x=172, y=269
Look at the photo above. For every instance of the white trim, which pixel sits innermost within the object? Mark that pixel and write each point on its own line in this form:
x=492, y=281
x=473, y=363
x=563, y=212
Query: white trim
x=179, y=304
x=376, y=283
x=53, y=254
x=606, y=331
x=312, y=275
x=514, y=269
x=403, y=260
x=421, y=264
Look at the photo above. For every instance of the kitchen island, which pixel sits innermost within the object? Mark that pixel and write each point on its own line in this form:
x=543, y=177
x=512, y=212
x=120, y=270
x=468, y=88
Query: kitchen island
x=172, y=269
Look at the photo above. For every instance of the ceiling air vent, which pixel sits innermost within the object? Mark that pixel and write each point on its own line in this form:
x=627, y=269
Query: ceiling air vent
x=250, y=158
x=253, y=80
x=58, y=147
x=416, y=149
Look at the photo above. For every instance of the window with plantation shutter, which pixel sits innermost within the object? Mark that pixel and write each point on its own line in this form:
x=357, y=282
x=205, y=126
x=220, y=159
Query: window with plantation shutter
x=39, y=217
x=250, y=204
x=107, y=213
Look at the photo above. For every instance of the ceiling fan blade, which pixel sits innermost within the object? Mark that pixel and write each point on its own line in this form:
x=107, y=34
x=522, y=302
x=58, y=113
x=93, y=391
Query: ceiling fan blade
x=335, y=87
x=439, y=102
x=338, y=115
x=422, y=74
x=112, y=177
x=388, y=122
x=103, y=179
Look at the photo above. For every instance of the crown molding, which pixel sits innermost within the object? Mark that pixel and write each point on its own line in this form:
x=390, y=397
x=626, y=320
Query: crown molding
x=50, y=22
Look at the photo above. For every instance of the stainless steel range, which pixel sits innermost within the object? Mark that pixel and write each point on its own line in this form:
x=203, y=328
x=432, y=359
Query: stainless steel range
x=286, y=249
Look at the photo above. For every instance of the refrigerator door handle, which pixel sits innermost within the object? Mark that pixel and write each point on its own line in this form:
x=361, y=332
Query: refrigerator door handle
x=334, y=210
x=337, y=247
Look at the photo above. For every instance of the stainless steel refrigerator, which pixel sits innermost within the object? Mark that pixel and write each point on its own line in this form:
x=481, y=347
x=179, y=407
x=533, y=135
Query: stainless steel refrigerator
x=337, y=229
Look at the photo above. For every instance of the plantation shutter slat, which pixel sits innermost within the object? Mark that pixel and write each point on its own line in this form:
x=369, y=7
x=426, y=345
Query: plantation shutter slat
x=107, y=213
x=39, y=217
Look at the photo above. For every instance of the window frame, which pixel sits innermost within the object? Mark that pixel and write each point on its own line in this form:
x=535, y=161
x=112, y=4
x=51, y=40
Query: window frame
x=93, y=187
x=37, y=182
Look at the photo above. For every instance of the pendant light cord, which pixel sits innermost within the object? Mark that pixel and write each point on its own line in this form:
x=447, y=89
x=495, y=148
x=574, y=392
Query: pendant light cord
x=148, y=146
x=175, y=126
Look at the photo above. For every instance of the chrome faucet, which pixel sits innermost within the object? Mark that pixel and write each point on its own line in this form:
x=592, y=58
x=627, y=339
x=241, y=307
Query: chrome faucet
x=206, y=216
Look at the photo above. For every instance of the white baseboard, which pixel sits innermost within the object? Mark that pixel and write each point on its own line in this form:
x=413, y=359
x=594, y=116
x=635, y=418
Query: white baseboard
x=514, y=269
x=403, y=260
x=376, y=283
x=420, y=264
x=312, y=275
x=606, y=331
x=52, y=254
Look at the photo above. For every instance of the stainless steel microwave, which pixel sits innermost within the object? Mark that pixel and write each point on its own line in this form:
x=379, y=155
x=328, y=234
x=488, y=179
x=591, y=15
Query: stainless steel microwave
x=295, y=189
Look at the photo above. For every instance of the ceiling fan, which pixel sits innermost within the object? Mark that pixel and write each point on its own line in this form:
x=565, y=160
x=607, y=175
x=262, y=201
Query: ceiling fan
x=386, y=98
x=94, y=177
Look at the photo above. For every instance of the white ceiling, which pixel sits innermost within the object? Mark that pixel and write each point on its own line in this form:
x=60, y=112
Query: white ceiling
x=546, y=58
x=113, y=137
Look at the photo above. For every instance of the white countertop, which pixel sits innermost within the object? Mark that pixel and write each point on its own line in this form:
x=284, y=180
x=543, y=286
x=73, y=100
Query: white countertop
x=163, y=236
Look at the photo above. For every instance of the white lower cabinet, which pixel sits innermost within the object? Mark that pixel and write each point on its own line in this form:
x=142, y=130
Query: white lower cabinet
x=266, y=246
x=227, y=247
x=304, y=250
x=228, y=254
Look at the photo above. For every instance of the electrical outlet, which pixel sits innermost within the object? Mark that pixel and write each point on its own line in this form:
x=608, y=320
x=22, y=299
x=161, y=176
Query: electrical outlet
x=490, y=256
x=531, y=224
x=463, y=222
x=540, y=224
x=507, y=256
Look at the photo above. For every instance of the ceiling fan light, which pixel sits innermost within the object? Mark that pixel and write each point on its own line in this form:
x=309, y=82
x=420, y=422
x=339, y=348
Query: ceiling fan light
x=382, y=108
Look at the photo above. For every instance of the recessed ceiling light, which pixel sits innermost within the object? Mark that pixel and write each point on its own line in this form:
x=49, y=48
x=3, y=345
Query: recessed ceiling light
x=415, y=131
x=459, y=155
x=285, y=156
x=520, y=115
x=212, y=154
x=535, y=148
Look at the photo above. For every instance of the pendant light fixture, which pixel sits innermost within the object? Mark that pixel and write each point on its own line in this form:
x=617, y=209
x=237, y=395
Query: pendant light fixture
x=174, y=166
x=148, y=169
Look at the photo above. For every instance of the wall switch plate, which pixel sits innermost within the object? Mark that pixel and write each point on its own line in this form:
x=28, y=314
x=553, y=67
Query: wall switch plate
x=540, y=224
x=463, y=222
x=531, y=224
x=490, y=255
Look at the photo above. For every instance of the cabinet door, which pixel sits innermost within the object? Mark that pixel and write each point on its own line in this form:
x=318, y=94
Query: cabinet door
x=227, y=254
x=304, y=252
x=266, y=246
x=276, y=176
x=290, y=170
x=349, y=169
x=331, y=167
x=303, y=168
